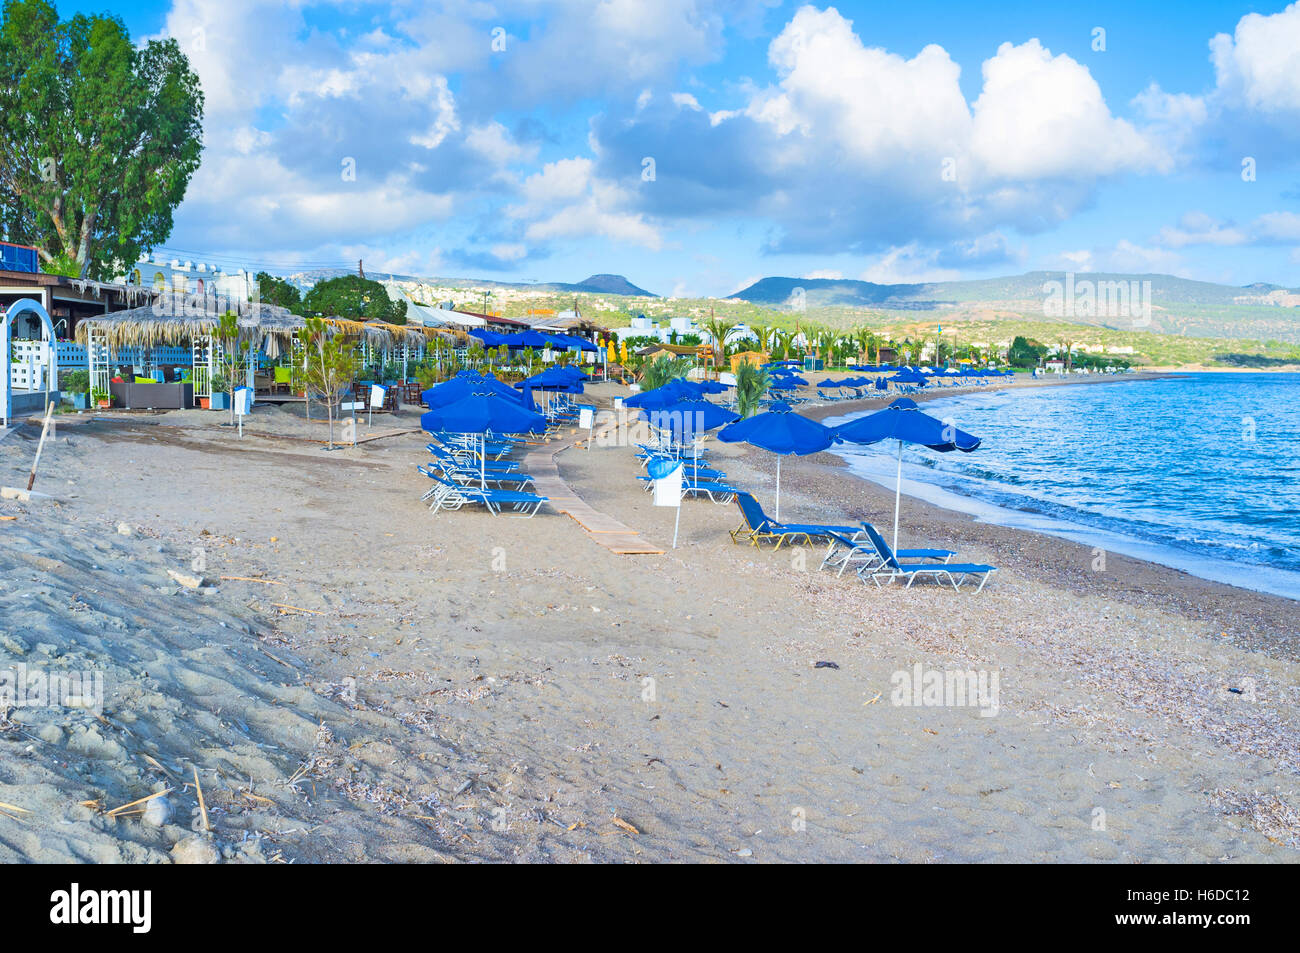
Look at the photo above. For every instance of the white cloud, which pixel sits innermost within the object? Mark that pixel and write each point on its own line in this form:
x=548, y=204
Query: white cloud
x=1197, y=228
x=1041, y=116
x=567, y=200
x=907, y=264
x=494, y=142
x=875, y=105
x=510, y=251
x=1278, y=227
x=1259, y=65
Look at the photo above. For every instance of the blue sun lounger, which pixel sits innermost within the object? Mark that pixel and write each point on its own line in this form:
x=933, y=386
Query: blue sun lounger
x=450, y=495
x=891, y=568
x=859, y=552
x=758, y=526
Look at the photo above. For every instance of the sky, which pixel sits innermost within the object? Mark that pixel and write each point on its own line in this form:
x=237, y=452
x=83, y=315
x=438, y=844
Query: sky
x=697, y=145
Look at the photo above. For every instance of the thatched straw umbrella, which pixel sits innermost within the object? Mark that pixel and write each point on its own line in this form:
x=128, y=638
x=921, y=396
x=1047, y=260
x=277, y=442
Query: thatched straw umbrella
x=174, y=319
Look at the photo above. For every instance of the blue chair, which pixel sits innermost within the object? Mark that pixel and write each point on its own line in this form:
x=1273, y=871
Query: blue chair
x=845, y=551
x=891, y=568
x=758, y=526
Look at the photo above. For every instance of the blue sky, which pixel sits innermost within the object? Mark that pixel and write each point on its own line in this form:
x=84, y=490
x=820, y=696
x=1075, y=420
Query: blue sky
x=893, y=142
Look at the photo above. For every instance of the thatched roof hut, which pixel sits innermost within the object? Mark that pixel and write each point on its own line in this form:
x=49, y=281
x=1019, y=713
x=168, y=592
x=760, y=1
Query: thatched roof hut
x=175, y=319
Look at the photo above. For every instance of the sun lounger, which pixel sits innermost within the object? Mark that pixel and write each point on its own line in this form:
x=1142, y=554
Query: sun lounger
x=892, y=568
x=716, y=492
x=758, y=526
x=450, y=495
x=859, y=552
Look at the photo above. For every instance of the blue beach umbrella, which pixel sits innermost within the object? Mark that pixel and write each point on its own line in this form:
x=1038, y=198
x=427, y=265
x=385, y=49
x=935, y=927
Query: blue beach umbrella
x=522, y=339
x=460, y=387
x=781, y=431
x=685, y=418
x=909, y=375
x=483, y=413
x=905, y=422
x=669, y=393
x=553, y=379
x=490, y=338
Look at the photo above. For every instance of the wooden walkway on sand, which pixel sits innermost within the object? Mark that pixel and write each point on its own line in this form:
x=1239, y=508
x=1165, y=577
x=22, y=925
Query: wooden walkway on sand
x=601, y=527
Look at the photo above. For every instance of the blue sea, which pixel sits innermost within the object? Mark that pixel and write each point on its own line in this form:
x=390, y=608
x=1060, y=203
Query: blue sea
x=1200, y=472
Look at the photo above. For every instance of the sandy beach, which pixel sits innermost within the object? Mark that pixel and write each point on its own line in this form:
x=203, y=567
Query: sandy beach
x=356, y=679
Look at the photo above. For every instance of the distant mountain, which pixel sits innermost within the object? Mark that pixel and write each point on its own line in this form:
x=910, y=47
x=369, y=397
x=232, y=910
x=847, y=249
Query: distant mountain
x=596, y=284
x=610, y=285
x=1166, y=291
x=821, y=292
x=1167, y=305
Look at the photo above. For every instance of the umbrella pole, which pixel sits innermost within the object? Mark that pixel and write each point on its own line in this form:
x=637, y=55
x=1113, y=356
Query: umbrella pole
x=482, y=466
x=778, y=488
x=898, y=491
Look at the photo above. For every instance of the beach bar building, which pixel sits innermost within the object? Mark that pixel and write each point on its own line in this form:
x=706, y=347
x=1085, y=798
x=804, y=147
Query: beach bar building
x=167, y=353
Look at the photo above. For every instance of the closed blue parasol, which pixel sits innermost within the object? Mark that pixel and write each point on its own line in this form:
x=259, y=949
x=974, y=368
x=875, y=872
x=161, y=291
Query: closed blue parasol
x=905, y=422
x=780, y=431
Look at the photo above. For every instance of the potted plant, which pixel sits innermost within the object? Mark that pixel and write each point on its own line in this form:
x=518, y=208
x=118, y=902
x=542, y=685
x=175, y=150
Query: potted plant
x=220, y=399
x=76, y=384
x=102, y=398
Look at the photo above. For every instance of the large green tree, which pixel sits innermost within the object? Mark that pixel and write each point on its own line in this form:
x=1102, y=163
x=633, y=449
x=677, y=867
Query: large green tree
x=98, y=138
x=355, y=298
x=277, y=291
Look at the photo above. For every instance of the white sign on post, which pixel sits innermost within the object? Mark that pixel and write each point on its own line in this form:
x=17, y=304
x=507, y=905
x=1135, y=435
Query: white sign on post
x=377, y=392
x=668, y=489
x=243, y=405
x=587, y=421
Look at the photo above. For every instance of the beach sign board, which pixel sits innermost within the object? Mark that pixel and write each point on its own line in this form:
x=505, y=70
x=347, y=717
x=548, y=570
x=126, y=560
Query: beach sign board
x=243, y=405
x=667, y=475
x=377, y=392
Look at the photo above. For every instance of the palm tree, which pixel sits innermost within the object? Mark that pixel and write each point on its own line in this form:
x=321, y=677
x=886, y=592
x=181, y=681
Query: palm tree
x=764, y=334
x=718, y=330
x=663, y=369
x=866, y=339
x=782, y=342
x=826, y=341
x=752, y=382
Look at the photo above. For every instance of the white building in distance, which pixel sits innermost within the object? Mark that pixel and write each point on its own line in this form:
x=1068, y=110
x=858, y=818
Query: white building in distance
x=187, y=277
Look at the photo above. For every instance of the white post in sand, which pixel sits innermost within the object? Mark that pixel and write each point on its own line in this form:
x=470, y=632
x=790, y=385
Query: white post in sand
x=898, y=491
x=45, y=429
x=778, y=488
